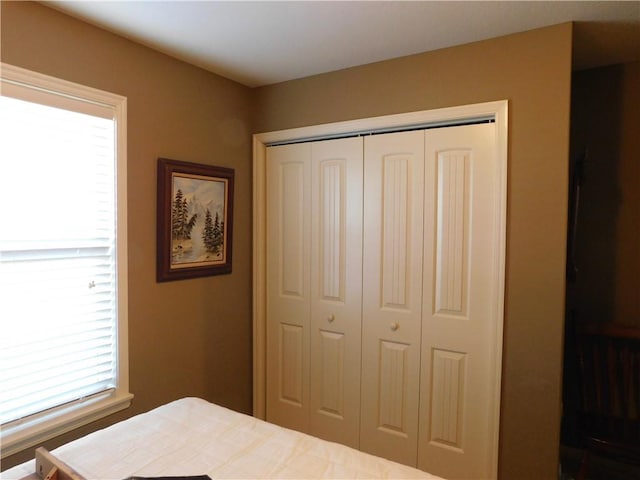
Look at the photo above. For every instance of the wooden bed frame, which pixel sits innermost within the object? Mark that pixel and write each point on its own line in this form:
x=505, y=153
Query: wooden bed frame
x=609, y=412
x=48, y=467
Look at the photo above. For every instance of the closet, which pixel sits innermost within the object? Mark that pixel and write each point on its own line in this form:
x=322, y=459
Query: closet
x=383, y=259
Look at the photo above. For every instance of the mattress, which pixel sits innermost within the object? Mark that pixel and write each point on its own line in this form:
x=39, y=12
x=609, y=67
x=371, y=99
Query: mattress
x=194, y=437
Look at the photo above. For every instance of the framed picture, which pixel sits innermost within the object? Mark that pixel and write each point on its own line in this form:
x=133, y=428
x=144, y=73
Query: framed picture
x=195, y=220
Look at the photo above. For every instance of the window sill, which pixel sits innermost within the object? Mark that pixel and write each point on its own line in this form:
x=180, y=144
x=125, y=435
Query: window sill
x=35, y=430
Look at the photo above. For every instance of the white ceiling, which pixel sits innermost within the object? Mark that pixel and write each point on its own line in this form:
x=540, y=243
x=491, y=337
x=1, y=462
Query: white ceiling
x=260, y=43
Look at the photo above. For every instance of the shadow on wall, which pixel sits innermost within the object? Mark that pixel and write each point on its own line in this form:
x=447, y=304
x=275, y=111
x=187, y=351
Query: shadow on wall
x=603, y=261
x=605, y=43
x=595, y=159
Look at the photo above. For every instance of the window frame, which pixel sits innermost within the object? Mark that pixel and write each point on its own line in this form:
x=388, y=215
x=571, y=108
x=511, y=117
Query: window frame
x=35, y=429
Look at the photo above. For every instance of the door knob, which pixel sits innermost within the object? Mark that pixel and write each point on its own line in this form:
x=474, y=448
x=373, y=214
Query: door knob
x=394, y=326
x=331, y=318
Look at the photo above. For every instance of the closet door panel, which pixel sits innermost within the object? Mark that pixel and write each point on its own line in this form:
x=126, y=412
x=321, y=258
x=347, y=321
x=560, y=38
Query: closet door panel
x=336, y=289
x=290, y=362
x=288, y=284
x=457, y=431
x=392, y=290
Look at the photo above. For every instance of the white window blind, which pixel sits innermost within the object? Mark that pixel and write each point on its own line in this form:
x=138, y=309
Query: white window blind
x=58, y=252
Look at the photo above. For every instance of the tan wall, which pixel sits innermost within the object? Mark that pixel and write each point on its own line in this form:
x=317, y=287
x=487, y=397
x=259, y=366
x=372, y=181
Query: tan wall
x=190, y=337
x=532, y=71
x=605, y=119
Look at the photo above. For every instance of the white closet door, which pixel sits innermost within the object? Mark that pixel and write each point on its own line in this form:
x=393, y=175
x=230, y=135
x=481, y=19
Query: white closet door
x=336, y=289
x=288, y=284
x=392, y=290
x=458, y=428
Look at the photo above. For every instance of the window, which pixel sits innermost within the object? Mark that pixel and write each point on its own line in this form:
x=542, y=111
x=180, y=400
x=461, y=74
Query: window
x=63, y=259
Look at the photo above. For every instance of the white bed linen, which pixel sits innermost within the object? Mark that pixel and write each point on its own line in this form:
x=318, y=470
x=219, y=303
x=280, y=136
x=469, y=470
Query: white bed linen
x=194, y=437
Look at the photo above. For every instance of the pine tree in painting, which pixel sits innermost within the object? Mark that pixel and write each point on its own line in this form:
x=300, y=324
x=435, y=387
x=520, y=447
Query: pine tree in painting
x=207, y=232
x=177, y=216
x=213, y=233
x=180, y=226
x=218, y=233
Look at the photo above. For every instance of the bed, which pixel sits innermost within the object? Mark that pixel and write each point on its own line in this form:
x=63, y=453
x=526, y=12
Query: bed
x=194, y=437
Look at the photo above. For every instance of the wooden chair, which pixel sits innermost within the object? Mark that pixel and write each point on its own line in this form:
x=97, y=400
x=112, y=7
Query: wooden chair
x=609, y=376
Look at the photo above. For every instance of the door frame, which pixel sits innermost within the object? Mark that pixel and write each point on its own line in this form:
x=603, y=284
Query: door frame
x=497, y=111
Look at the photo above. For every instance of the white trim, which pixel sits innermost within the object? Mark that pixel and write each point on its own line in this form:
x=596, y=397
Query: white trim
x=259, y=277
x=502, y=129
x=386, y=122
x=498, y=110
x=50, y=424
x=122, y=262
x=38, y=428
x=75, y=91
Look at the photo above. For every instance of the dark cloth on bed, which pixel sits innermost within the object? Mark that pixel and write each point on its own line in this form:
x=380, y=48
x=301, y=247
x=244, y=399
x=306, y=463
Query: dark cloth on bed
x=193, y=477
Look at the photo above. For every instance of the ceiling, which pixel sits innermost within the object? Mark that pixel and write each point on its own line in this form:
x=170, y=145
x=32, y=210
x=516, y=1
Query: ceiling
x=264, y=42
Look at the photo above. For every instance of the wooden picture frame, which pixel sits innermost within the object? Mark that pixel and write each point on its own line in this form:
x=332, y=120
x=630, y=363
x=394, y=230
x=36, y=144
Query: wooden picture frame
x=194, y=220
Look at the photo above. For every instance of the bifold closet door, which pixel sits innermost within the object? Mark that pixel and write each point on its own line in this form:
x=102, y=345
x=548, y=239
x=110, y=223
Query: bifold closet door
x=460, y=360
x=288, y=284
x=336, y=289
x=392, y=294
x=382, y=308
x=314, y=278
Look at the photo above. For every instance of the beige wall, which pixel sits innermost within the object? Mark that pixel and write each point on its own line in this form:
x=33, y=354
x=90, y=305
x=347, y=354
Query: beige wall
x=605, y=119
x=533, y=71
x=189, y=337
x=193, y=337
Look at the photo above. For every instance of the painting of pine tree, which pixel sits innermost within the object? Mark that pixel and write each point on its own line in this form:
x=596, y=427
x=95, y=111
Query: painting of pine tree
x=194, y=220
x=197, y=228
